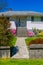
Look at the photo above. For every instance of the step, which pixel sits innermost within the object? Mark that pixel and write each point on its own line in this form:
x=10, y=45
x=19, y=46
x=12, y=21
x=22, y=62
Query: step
x=21, y=31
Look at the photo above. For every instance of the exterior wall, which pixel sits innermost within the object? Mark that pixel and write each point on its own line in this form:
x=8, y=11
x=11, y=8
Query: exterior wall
x=13, y=25
x=34, y=24
x=37, y=25
x=29, y=24
x=36, y=53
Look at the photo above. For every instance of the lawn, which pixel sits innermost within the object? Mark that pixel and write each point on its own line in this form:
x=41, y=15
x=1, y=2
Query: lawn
x=21, y=62
x=28, y=39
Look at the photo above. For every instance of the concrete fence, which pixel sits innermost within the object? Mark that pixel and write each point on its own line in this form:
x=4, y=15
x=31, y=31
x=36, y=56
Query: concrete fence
x=4, y=52
x=36, y=51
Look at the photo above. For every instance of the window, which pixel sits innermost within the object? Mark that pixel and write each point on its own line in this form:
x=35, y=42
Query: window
x=29, y=18
x=35, y=19
x=41, y=18
x=32, y=18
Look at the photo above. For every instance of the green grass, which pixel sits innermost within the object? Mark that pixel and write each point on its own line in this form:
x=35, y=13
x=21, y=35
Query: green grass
x=27, y=40
x=21, y=62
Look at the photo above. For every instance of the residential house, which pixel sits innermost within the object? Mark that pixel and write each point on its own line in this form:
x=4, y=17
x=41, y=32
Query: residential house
x=25, y=20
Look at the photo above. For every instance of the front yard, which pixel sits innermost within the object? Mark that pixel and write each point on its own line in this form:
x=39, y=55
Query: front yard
x=21, y=61
x=35, y=47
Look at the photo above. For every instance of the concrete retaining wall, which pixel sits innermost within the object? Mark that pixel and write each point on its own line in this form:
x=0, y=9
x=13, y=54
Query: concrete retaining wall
x=4, y=52
x=36, y=51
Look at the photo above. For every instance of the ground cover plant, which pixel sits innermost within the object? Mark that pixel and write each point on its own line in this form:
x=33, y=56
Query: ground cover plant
x=12, y=41
x=21, y=61
x=34, y=40
x=34, y=32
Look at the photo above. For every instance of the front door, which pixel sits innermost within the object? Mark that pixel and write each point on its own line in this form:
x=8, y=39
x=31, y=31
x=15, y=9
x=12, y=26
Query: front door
x=21, y=22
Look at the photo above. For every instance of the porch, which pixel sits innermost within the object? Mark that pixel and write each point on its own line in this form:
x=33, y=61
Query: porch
x=20, y=23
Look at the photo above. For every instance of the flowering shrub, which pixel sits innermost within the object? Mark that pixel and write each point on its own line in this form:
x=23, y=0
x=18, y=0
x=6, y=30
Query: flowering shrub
x=39, y=30
x=13, y=31
x=36, y=31
x=31, y=33
x=41, y=33
x=36, y=41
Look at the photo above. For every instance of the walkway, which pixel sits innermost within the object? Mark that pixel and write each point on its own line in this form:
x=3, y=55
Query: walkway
x=22, y=49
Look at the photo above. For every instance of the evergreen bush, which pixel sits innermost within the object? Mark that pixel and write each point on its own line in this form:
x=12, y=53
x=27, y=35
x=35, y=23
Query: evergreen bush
x=4, y=32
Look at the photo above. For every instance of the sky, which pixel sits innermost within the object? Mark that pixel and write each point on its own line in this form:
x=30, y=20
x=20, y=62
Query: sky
x=26, y=5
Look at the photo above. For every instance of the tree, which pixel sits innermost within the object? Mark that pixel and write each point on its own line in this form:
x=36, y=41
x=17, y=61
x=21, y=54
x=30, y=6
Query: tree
x=3, y=5
x=4, y=32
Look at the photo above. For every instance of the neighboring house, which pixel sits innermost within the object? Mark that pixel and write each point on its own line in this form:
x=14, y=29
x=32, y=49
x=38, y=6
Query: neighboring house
x=25, y=20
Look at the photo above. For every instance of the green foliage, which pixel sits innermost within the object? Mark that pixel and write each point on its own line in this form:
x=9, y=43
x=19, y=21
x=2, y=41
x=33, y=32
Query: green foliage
x=36, y=41
x=29, y=39
x=4, y=32
x=39, y=30
x=12, y=40
x=39, y=35
x=35, y=31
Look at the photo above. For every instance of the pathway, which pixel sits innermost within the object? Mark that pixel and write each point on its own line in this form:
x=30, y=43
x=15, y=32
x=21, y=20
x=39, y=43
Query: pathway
x=22, y=49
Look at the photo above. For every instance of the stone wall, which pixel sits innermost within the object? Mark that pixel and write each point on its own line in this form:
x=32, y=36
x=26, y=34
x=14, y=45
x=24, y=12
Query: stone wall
x=36, y=51
x=4, y=52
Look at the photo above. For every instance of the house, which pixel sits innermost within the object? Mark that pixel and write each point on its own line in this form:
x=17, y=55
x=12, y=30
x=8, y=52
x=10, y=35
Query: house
x=25, y=20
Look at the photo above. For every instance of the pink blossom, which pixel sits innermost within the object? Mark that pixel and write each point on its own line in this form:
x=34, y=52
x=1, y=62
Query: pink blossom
x=13, y=31
x=30, y=33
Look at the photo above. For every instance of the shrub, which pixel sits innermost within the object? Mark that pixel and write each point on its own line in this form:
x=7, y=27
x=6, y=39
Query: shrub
x=12, y=40
x=30, y=33
x=41, y=33
x=4, y=32
x=13, y=31
x=39, y=30
x=35, y=31
x=36, y=41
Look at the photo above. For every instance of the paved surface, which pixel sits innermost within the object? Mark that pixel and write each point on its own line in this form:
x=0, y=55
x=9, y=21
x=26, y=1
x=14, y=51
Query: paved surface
x=22, y=49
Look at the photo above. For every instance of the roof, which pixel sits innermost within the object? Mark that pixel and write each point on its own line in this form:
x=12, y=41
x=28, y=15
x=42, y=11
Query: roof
x=21, y=13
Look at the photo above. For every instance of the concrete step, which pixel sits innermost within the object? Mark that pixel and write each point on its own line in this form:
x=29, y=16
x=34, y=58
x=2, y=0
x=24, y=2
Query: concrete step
x=21, y=31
